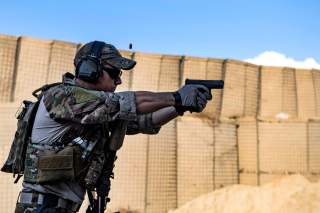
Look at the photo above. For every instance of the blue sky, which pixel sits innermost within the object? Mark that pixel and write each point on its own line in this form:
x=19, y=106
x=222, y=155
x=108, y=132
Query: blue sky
x=217, y=29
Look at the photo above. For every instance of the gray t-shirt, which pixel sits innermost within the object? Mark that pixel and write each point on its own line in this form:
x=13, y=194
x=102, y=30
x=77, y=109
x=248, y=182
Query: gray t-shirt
x=45, y=132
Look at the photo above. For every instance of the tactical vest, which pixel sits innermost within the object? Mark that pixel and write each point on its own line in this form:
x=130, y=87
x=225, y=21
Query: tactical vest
x=15, y=162
x=83, y=160
x=64, y=164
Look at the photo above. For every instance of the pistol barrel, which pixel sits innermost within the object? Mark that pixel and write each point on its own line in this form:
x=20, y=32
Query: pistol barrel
x=210, y=84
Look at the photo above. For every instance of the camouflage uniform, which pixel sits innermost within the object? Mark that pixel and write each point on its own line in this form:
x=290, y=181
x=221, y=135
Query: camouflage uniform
x=100, y=118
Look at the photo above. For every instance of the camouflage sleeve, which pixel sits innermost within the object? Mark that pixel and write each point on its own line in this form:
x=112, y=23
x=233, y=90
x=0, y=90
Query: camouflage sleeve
x=143, y=124
x=118, y=106
x=71, y=103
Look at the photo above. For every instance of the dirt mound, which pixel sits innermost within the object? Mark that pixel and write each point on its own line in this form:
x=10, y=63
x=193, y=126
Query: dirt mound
x=292, y=194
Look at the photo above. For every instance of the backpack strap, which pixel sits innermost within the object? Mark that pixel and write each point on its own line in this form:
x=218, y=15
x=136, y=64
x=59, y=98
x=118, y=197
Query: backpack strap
x=43, y=88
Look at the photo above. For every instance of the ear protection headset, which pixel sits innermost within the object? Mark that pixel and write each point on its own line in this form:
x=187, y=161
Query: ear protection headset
x=90, y=68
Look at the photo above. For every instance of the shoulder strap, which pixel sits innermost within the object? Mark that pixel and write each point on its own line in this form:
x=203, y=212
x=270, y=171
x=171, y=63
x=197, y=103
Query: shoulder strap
x=43, y=88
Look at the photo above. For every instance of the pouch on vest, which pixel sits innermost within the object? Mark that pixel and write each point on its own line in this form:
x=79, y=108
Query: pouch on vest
x=15, y=162
x=65, y=165
x=56, y=166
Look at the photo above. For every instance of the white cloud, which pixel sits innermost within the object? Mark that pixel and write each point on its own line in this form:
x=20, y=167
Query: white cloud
x=272, y=58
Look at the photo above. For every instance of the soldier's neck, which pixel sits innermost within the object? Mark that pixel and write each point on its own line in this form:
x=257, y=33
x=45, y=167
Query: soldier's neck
x=85, y=84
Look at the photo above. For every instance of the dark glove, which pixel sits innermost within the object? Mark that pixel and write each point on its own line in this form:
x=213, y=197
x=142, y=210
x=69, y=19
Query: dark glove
x=192, y=98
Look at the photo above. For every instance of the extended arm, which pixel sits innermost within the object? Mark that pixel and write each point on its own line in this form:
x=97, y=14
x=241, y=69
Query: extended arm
x=163, y=116
x=157, y=109
x=147, y=102
x=164, y=105
x=191, y=97
x=153, y=111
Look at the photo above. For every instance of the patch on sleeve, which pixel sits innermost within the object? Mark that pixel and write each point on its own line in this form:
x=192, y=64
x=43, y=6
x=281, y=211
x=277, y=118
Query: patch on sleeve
x=71, y=103
x=82, y=95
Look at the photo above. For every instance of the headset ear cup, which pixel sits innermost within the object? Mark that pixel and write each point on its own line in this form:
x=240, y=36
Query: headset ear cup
x=89, y=70
x=89, y=67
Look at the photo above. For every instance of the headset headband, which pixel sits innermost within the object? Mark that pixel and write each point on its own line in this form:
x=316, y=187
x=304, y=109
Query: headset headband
x=96, y=49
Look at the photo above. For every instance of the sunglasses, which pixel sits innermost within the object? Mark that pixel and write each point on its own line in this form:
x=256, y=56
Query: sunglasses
x=113, y=72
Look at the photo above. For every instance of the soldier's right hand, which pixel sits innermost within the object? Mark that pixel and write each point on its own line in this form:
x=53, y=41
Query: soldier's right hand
x=194, y=98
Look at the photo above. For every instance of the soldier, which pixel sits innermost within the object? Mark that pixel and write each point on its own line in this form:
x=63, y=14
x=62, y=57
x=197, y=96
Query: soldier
x=81, y=123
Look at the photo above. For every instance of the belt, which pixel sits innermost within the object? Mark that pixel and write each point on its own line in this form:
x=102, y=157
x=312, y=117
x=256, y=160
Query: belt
x=36, y=198
x=31, y=198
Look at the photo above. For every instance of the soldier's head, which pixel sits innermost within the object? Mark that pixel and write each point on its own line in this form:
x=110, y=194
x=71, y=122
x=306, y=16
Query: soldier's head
x=99, y=66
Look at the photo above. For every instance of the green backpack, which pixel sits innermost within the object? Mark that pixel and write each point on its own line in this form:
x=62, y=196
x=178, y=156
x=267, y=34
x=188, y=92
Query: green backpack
x=16, y=159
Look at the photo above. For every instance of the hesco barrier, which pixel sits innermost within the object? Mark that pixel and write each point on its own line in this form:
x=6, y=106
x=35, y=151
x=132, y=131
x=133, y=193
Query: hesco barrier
x=8, y=46
x=265, y=123
x=207, y=157
x=268, y=149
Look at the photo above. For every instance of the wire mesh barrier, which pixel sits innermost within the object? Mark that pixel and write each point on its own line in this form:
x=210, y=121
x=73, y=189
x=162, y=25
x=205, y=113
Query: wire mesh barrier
x=316, y=84
x=306, y=94
x=32, y=66
x=195, y=162
x=146, y=72
x=8, y=46
x=264, y=124
x=129, y=187
x=270, y=149
x=61, y=60
x=271, y=92
x=233, y=95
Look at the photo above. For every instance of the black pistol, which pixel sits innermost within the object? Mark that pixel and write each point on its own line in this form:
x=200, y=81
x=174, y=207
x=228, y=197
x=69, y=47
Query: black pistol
x=210, y=84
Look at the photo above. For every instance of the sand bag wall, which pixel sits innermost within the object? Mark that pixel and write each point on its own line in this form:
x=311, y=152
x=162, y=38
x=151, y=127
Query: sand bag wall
x=207, y=157
x=8, y=47
x=306, y=94
x=278, y=141
x=27, y=64
x=269, y=149
x=278, y=93
x=33, y=64
x=61, y=60
x=240, y=94
x=294, y=92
